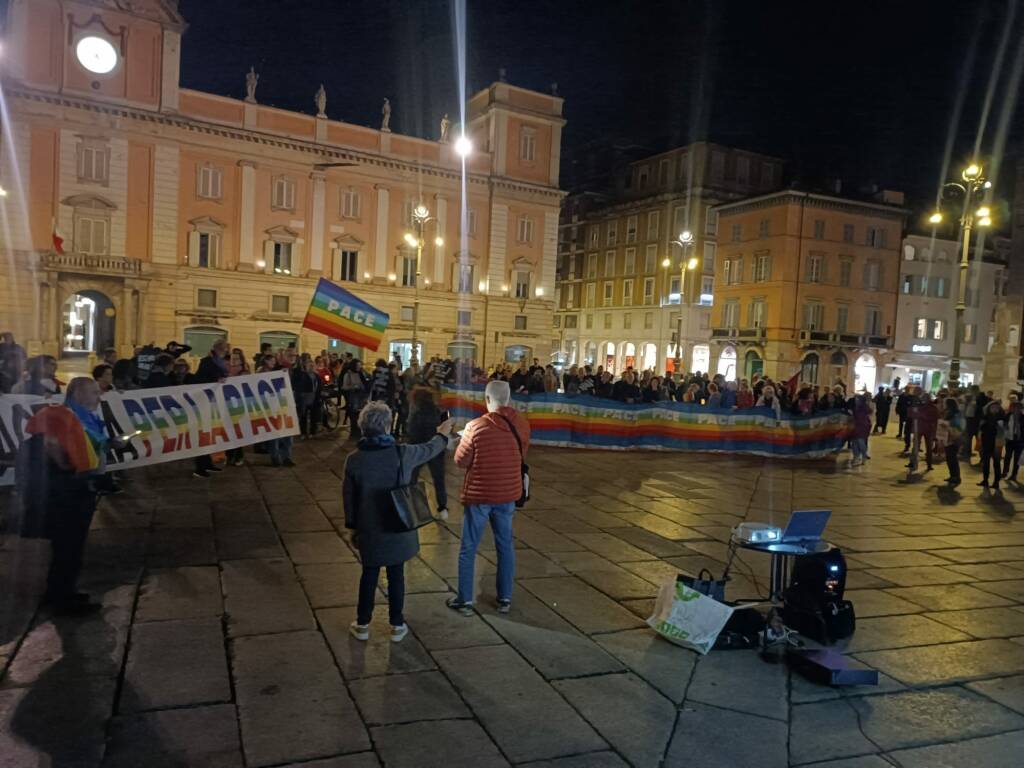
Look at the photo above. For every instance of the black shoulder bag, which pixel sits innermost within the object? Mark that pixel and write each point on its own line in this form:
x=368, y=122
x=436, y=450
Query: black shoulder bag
x=410, y=502
x=523, y=466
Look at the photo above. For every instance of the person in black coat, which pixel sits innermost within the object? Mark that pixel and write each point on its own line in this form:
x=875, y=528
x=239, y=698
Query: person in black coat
x=625, y=390
x=160, y=373
x=371, y=473
x=421, y=428
x=212, y=369
x=883, y=403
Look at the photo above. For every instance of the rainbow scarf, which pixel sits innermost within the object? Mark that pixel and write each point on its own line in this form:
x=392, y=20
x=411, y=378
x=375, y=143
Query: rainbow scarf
x=82, y=444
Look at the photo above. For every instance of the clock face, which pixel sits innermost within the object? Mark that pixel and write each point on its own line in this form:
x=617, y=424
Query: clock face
x=96, y=55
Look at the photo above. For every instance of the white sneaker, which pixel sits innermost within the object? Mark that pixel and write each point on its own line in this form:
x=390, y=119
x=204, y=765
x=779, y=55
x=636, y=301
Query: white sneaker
x=442, y=514
x=359, y=631
x=397, y=633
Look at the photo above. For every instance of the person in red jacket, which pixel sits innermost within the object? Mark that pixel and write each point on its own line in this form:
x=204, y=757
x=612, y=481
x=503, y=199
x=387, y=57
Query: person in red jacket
x=491, y=451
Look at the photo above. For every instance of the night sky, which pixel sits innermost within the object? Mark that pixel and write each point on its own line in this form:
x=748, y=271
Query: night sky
x=857, y=89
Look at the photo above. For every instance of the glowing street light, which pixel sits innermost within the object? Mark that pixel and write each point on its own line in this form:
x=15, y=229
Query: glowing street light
x=666, y=262
x=463, y=146
x=420, y=218
x=973, y=183
x=692, y=263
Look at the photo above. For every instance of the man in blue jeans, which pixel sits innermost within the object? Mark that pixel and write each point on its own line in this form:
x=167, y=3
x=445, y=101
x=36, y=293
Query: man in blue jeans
x=491, y=451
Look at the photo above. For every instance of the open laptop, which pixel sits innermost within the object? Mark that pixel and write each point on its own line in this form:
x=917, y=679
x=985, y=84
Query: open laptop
x=806, y=525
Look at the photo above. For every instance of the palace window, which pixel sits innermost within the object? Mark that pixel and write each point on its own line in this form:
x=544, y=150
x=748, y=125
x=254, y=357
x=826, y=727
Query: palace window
x=92, y=234
x=283, y=196
x=93, y=161
x=206, y=298
x=631, y=229
x=282, y=258
x=351, y=204
x=522, y=284
x=528, y=145
x=280, y=304
x=209, y=182
x=653, y=225
x=347, y=268
x=525, y=229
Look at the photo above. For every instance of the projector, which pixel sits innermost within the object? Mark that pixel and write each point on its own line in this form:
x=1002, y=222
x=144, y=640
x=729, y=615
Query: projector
x=756, y=533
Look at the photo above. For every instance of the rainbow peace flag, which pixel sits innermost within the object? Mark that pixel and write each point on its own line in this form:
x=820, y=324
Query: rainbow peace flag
x=339, y=314
x=587, y=422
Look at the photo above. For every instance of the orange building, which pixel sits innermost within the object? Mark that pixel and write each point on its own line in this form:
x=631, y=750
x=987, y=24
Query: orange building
x=806, y=282
x=618, y=304
x=192, y=216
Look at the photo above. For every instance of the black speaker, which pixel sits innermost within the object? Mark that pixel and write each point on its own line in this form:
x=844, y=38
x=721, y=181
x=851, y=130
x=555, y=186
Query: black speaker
x=813, y=603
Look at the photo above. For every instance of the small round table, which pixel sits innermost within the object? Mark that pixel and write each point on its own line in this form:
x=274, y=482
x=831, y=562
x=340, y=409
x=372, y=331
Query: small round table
x=781, y=553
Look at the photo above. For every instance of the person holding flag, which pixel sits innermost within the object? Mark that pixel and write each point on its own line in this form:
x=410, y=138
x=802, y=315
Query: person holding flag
x=58, y=469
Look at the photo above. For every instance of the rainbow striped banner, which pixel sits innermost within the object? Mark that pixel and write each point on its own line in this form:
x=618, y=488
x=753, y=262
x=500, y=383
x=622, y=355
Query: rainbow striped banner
x=589, y=422
x=338, y=314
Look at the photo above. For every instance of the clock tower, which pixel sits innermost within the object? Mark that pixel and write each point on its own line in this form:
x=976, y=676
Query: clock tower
x=120, y=51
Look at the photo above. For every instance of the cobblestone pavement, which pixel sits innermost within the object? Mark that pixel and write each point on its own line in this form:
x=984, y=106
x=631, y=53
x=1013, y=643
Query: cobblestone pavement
x=223, y=639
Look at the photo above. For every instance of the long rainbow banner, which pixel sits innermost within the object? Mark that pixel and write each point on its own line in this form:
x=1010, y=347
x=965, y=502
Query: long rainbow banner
x=339, y=314
x=173, y=422
x=588, y=422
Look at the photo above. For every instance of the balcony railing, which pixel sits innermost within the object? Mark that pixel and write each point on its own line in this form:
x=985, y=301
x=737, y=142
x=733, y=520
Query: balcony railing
x=91, y=264
x=746, y=334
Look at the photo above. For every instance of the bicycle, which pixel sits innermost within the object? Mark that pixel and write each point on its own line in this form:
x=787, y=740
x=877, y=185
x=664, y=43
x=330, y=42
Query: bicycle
x=331, y=413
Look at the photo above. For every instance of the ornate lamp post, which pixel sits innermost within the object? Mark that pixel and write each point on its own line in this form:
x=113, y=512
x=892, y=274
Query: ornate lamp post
x=684, y=241
x=420, y=218
x=972, y=183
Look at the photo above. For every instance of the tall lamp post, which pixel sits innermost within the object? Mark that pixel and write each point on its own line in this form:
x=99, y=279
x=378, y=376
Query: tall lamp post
x=684, y=241
x=420, y=218
x=971, y=184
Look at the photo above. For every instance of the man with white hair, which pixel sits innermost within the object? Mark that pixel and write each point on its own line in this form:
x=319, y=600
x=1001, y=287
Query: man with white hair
x=491, y=451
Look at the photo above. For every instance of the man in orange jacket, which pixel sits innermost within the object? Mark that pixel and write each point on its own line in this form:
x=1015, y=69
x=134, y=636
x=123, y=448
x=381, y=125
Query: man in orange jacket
x=491, y=451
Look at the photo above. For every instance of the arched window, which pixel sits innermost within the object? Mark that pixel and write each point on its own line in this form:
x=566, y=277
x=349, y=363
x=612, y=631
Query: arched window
x=462, y=350
x=701, y=359
x=809, y=369
x=838, y=358
x=279, y=339
x=727, y=363
x=202, y=338
x=590, y=356
x=516, y=352
x=752, y=363
x=864, y=372
x=402, y=349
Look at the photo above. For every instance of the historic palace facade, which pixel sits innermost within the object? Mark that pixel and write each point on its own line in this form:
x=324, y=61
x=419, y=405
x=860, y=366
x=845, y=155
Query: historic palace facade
x=138, y=211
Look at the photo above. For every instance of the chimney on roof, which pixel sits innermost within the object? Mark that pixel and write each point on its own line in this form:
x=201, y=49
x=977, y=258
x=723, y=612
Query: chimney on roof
x=890, y=197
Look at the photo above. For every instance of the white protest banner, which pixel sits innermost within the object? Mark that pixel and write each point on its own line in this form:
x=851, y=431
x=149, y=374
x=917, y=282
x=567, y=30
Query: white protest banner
x=174, y=422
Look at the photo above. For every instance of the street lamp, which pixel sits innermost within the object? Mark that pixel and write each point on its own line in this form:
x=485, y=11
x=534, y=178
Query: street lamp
x=684, y=241
x=420, y=218
x=972, y=182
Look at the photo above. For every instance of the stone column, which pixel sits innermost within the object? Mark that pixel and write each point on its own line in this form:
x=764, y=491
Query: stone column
x=247, y=219
x=126, y=321
x=380, y=240
x=316, y=226
x=441, y=251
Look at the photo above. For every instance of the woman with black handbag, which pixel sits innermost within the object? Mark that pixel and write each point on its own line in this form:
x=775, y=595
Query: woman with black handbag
x=383, y=539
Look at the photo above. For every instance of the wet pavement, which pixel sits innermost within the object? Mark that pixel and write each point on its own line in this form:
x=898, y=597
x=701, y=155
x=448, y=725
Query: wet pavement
x=224, y=635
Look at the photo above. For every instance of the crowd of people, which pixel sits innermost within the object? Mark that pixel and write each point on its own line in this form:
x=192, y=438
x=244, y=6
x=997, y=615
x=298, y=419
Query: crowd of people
x=63, y=464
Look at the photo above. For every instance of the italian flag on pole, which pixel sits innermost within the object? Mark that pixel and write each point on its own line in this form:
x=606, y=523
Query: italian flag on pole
x=58, y=238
